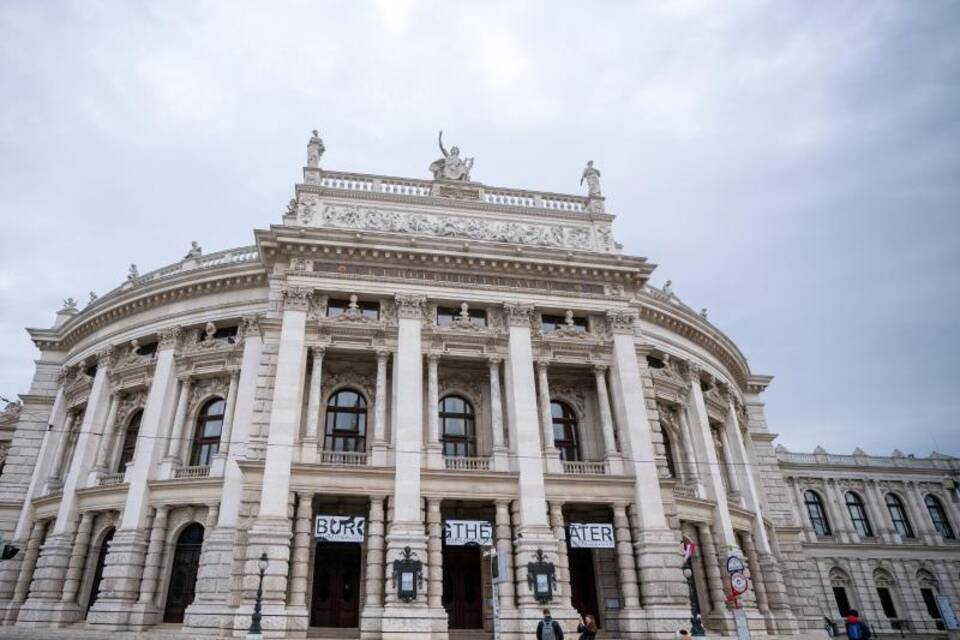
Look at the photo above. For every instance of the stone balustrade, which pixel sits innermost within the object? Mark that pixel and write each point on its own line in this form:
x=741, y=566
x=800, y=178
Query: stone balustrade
x=344, y=458
x=191, y=472
x=463, y=463
x=111, y=479
x=581, y=468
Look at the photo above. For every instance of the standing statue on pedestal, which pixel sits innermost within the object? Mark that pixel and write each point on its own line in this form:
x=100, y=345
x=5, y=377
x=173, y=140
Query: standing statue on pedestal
x=592, y=176
x=451, y=166
x=315, y=150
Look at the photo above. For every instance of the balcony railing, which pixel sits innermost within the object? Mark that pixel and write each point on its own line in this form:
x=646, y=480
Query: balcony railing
x=345, y=458
x=111, y=479
x=191, y=473
x=684, y=490
x=462, y=463
x=585, y=468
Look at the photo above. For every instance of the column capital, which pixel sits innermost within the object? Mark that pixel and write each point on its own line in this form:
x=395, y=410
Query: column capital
x=318, y=351
x=542, y=365
x=169, y=338
x=296, y=298
x=382, y=354
x=433, y=357
x=600, y=369
x=494, y=361
x=106, y=357
x=250, y=327
x=693, y=372
x=518, y=314
x=503, y=502
x=621, y=320
x=410, y=306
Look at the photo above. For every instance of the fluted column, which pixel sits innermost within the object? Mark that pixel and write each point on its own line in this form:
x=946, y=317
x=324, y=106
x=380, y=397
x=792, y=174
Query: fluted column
x=758, y=579
x=375, y=532
x=176, y=435
x=610, y=453
x=379, y=450
x=693, y=471
x=505, y=550
x=563, y=562
x=434, y=450
x=229, y=412
x=434, y=554
x=711, y=563
x=500, y=462
x=550, y=452
x=151, y=569
x=110, y=431
x=626, y=563
x=56, y=469
x=301, y=551
x=311, y=437
x=29, y=561
x=78, y=556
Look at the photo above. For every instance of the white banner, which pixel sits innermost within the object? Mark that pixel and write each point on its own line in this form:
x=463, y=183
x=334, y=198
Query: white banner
x=591, y=535
x=459, y=533
x=340, y=528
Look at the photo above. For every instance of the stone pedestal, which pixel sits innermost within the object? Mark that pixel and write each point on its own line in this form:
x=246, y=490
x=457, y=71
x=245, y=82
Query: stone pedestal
x=273, y=536
x=210, y=610
x=415, y=620
x=43, y=605
x=120, y=588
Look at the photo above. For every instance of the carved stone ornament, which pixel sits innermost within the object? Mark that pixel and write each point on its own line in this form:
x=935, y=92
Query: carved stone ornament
x=353, y=312
x=250, y=327
x=204, y=389
x=106, y=358
x=169, y=338
x=195, y=251
x=451, y=166
x=315, y=149
x=592, y=176
x=410, y=307
x=621, y=320
x=296, y=298
x=568, y=329
x=128, y=403
x=518, y=315
x=344, y=216
x=69, y=305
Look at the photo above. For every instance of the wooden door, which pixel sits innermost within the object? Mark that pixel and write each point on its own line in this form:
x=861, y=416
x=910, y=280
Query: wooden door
x=336, y=586
x=462, y=587
x=183, y=574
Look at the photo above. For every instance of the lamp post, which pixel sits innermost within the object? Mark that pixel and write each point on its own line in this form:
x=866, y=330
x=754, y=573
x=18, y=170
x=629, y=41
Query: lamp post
x=696, y=626
x=255, y=632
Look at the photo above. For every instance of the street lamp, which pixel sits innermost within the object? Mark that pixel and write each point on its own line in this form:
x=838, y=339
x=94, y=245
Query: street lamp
x=696, y=627
x=255, y=632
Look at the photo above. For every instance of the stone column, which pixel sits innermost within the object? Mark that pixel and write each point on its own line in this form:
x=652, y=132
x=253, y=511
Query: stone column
x=500, y=460
x=78, y=557
x=837, y=508
x=563, y=562
x=30, y=555
x=804, y=517
x=107, y=440
x=154, y=560
x=435, y=554
x=434, y=449
x=172, y=459
x=611, y=455
x=301, y=552
x=661, y=577
x=693, y=469
x=711, y=564
x=729, y=461
x=230, y=411
x=626, y=563
x=758, y=579
x=375, y=531
x=880, y=516
x=311, y=439
x=505, y=550
x=379, y=451
x=270, y=532
x=550, y=452
x=921, y=515
x=56, y=469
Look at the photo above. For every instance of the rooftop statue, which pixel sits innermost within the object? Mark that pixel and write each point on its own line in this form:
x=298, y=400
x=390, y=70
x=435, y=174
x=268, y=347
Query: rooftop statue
x=592, y=175
x=315, y=150
x=451, y=166
x=195, y=251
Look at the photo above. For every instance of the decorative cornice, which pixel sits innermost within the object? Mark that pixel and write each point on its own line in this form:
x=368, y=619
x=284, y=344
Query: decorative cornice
x=410, y=307
x=169, y=338
x=621, y=320
x=296, y=298
x=518, y=314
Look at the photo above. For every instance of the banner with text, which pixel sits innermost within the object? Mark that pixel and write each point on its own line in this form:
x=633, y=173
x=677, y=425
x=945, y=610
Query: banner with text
x=340, y=528
x=590, y=535
x=460, y=533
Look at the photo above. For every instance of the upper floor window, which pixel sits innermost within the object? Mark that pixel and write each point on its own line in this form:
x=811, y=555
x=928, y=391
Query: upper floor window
x=130, y=441
x=370, y=310
x=898, y=515
x=858, y=515
x=939, y=517
x=206, y=440
x=458, y=427
x=446, y=315
x=147, y=349
x=817, y=513
x=346, y=428
x=668, y=452
x=552, y=323
x=565, y=431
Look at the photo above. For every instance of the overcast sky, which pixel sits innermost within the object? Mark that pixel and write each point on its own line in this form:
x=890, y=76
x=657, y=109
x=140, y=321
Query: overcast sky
x=793, y=167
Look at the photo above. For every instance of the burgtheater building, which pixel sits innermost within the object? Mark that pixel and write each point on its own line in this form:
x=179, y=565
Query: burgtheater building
x=400, y=379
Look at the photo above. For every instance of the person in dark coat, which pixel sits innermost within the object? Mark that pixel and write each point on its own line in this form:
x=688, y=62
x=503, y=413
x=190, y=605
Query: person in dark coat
x=548, y=628
x=856, y=629
x=587, y=628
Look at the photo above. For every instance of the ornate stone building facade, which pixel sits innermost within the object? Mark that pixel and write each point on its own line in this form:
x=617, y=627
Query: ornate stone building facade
x=398, y=356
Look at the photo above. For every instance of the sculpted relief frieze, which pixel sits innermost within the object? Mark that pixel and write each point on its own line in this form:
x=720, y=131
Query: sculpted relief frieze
x=470, y=228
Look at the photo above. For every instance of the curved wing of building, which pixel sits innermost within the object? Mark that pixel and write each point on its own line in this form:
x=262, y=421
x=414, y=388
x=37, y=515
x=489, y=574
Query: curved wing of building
x=425, y=409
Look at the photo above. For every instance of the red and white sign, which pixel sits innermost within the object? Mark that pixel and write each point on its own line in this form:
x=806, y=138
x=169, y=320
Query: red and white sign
x=739, y=583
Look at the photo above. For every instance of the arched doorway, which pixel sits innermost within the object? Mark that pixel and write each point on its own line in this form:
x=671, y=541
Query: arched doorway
x=183, y=574
x=98, y=571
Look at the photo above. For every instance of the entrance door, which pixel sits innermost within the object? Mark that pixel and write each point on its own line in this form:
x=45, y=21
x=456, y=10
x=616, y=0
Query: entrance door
x=336, y=586
x=583, y=584
x=183, y=575
x=98, y=572
x=462, y=589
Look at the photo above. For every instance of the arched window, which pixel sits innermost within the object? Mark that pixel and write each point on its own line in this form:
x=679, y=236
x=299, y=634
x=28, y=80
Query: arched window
x=939, y=517
x=458, y=427
x=565, y=431
x=130, y=441
x=817, y=514
x=858, y=515
x=183, y=573
x=668, y=453
x=346, y=428
x=206, y=439
x=898, y=515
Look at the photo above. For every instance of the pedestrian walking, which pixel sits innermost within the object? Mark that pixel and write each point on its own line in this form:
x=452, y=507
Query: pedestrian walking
x=548, y=628
x=856, y=629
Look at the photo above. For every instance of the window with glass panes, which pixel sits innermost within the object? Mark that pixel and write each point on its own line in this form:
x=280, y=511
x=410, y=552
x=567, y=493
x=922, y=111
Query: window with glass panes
x=939, y=517
x=898, y=515
x=858, y=515
x=565, y=431
x=129, y=441
x=816, y=513
x=458, y=427
x=206, y=440
x=346, y=426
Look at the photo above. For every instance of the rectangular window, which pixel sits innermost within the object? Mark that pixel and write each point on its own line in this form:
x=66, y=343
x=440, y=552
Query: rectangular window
x=930, y=600
x=147, y=349
x=886, y=601
x=552, y=323
x=843, y=604
x=369, y=310
x=446, y=315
